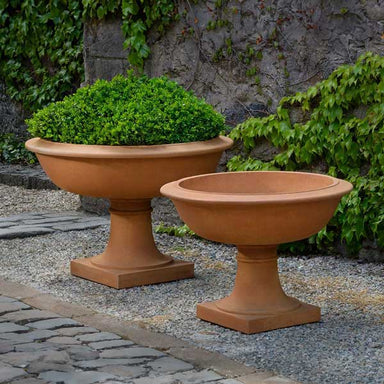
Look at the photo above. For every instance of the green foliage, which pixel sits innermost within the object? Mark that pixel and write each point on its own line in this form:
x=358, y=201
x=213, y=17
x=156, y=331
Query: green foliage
x=41, y=57
x=139, y=16
x=12, y=150
x=344, y=129
x=41, y=54
x=174, y=230
x=128, y=111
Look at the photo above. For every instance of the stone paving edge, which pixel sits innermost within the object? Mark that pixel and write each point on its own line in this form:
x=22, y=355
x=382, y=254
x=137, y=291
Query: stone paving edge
x=175, y=347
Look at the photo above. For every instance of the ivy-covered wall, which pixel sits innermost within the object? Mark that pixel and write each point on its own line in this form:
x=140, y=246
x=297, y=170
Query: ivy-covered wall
x=243, y=56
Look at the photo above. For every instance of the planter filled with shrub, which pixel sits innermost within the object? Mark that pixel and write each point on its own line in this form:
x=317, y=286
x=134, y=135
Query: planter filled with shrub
x=123, y=140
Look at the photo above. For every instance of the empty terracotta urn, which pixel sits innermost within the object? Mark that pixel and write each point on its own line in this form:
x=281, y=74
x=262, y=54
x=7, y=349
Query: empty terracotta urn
x=257, y=211
x=129, y=176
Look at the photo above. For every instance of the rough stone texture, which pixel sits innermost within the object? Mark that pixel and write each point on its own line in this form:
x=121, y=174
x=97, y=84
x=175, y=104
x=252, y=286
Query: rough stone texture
x=53, y=323
x=55, y=359
x=340, y=31
x=190, y=377
x=254, y=377
x=11, y=307
x=10, y=327
x=109, y=344
x=23, y=317
x=128, y=353
x=10, y=373
x=67, y=340
x=169, y=364
x=104, y=56
x=75, y=377
x=95, y=205
x=11, y=115
x=101, y=336
x=32, y=224
x=30, y=177
x=76, y=331
x=119, y=370
x=82, y=353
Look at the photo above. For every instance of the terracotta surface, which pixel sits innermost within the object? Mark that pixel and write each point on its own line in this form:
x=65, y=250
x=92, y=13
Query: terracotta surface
x=257, y=211
x=129, y=177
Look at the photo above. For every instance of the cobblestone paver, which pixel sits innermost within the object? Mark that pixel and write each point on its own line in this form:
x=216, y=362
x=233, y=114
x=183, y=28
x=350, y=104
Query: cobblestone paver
x=32, y=224
x=40, y=347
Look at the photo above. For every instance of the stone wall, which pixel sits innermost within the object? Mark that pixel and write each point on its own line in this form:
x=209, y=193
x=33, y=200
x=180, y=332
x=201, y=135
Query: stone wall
x=11, y=115
x=301, y=42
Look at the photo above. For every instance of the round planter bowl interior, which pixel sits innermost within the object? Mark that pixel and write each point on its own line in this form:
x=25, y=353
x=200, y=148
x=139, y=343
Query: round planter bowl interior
x=257, y=211
x=265, y=207
x=129, y=176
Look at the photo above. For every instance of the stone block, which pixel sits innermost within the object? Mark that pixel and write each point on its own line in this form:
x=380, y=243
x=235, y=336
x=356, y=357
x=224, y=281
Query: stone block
x=123, y=371
x=16, y=338
x=23, y=231
x=66, y=340
x=109, y=344
x=12, y=307
x=75, y=331
x=129, y=353
x=95, y=205
x=101, y=336
x=169, y=364
x=75, y=377
x=93, y=364
x=53, y=323
x=82, y=353
x=6, y=347
x=75, y=226
x=29, y=315
x=5, y=299
x=20, y=359
x=43, y=366
x=190, y=377
x=9, y=373
x=41, y=334
x=36, y=346
x=11, y=327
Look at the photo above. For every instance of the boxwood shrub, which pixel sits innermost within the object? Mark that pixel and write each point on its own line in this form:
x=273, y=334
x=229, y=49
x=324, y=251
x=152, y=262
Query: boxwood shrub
x=128, y=110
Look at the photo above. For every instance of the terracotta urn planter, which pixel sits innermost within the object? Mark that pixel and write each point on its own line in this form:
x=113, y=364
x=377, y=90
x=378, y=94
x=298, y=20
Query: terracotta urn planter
x=256, y=211
x=129, y=176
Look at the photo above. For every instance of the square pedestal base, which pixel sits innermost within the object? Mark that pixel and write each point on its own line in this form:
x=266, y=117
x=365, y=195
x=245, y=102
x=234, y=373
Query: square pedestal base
x=306, y=313
x=115, y=278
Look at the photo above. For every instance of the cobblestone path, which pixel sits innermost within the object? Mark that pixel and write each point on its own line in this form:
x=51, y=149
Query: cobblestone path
x=38, y=346
x=32, y=224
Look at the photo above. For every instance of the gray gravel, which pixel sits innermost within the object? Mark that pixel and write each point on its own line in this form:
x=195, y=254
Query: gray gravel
x=18, y=200
x=346, y=347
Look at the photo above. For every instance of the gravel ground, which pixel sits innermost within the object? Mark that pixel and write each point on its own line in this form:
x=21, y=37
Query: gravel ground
x=346, y=347
x=18, y=200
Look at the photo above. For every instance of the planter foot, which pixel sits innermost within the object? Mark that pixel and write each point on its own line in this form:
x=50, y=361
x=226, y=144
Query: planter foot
x=304, y=314
x=117, y=278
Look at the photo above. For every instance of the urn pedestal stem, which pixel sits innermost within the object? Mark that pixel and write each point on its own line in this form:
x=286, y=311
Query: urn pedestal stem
x=131, y=257
x=257, y=302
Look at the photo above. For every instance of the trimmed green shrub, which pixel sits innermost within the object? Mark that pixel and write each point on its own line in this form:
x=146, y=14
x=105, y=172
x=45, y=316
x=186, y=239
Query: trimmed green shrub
x=132, y=110
x=343, y=129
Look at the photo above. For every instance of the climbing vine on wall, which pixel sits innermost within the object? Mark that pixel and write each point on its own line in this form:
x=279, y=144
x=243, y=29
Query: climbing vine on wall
x=138, y=16
x=41, y=56
x=41, y=49
x=342, y=131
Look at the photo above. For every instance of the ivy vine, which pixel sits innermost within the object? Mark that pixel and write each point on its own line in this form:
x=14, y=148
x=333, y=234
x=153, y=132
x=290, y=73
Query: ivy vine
x=138, y=16
x=41, y=54
x=343, y=131
x=41, y=57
